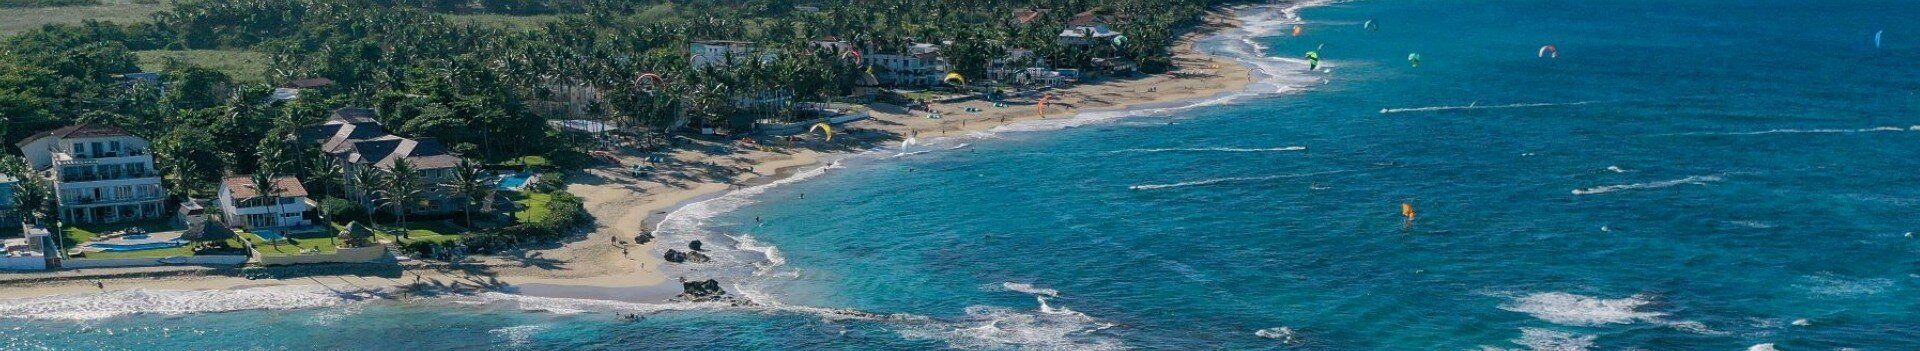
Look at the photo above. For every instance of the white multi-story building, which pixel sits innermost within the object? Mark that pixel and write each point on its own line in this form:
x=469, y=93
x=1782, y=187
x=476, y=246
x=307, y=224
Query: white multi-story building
x=99, y=173
x=921, y=65
x=244, y=206
x=724, y=53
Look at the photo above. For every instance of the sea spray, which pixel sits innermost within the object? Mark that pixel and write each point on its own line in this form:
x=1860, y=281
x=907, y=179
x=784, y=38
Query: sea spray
x=1701, y=180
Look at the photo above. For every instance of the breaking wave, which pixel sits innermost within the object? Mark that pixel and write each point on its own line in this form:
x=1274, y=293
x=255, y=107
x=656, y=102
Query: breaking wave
x=1538, y=339
x=1885, y=129
x=1653, y=185
x=1030, y=289
x=1579, y=310
x=1223, y=180
x=1212, y=149
x=1481, y=107
x=175, y=302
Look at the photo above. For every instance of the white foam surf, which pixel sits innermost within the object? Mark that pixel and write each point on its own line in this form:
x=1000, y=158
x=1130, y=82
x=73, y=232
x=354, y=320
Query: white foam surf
x=1701, y=180
x=175, y=302
x=1213, y=181
x=1883, y=129
x=1762, y=347
x=1212, y=149
x=1030, y=289
x=1482, y=107
x=1282, y=333
x=1836, y=286
x=1579, y=310
x=1538, y=339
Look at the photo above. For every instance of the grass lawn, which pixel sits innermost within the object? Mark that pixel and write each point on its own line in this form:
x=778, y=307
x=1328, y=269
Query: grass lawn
x=323, y=240
x=429, y=231
x=528, y=161
x=533, y=206
x=15, y=20
x=243, y=66
x=507, y=22
x=80, y=233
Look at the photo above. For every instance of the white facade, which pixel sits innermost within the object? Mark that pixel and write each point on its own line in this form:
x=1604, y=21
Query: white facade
x=99, y=174
x=264, y=211
x=921, y=65
x=726, y=53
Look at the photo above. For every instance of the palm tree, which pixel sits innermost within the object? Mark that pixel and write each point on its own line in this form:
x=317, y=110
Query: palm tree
x=471, y=184
x=265, y=188
x=366, y=179
x=403, y=190
x=321, y=170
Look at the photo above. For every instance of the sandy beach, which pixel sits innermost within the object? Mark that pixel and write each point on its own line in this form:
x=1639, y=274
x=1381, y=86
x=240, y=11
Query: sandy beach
x=606, y=263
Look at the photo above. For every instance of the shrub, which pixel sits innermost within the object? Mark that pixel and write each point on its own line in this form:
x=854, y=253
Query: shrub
x=341, y=210
x=551, y=182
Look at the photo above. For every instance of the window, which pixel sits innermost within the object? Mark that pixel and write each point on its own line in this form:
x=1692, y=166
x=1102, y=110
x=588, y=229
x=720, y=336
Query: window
x=79, y=148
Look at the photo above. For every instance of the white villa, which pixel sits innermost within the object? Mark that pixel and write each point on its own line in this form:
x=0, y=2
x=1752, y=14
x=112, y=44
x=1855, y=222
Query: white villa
x=244, y=206
x=724, y=53
x=1087, y=28
x=921, y=65
x=99, y=173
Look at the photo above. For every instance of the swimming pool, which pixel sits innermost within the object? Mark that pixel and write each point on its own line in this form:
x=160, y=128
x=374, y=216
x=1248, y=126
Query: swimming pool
x=269, y=235
x=515, y=181
x=134, y=237
x=136, y=247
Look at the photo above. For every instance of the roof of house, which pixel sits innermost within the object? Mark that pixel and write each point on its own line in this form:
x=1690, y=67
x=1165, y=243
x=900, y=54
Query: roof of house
x=242, y=187
x=308, y=83
x=87, y=130
x=1027, y=16
x=353, y=134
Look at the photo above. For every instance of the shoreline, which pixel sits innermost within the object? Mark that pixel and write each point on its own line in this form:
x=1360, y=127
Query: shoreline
x=591, y=267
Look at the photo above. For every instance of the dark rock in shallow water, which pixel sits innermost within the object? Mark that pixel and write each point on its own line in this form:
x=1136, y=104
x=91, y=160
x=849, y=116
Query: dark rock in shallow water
x=675, y=256
x=702, y=290
x=695, y=245
x=643, y=238
x=697, y=257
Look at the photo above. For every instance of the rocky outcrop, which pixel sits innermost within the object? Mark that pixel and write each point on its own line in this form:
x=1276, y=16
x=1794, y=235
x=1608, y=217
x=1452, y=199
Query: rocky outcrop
x=643, y=238
x=676, y=256
x=695, y=245
x=701, y=290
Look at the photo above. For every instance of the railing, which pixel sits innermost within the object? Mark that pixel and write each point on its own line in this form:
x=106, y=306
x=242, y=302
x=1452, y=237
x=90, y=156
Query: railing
x=87, y=201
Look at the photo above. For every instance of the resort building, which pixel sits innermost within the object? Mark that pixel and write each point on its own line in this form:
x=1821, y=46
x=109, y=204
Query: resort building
x=1087, y=28
x=1024, y=17
x=99, y=173
x=920, y=65
x=724, y=53
x=355, y=140
x=244, y=206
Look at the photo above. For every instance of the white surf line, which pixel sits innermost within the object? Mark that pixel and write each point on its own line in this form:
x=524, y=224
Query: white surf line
x=1211, y=149
x=1225, y=180
x=1482, y=107
x=1883, y=129
x=1702, y=180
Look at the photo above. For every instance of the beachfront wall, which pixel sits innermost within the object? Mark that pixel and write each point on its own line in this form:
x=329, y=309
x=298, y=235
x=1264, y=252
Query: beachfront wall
x=205, y=260
x=23, y=263
x=344, y=255
x=801, y=127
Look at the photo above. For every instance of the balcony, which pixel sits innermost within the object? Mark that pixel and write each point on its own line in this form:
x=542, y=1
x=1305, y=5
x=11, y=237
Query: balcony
x=97, y=201
x=94, y=177
x=87, y=158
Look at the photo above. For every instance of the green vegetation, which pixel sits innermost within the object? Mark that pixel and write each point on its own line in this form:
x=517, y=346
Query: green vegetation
x=320, y=240
x=429, y=231
x=505, y=22
x=243, y=66
x=79, y=234
x=20, y=19
x=475, y=75
x=533, y=207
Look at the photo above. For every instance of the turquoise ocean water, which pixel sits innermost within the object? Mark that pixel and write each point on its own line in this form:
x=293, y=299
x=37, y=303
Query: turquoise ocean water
x=1686, y=175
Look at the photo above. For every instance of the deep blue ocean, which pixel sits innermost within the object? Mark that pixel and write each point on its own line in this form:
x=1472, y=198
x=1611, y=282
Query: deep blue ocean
x=1685, y=175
